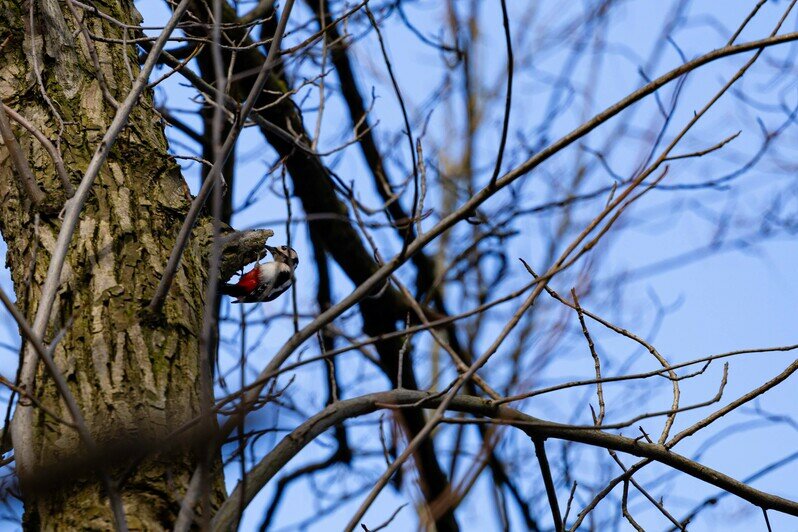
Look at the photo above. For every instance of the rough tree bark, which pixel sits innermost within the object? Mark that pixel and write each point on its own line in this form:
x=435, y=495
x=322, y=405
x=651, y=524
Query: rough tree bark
x=135, y=378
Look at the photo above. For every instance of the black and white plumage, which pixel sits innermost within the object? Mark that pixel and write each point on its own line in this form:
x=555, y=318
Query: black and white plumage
x=265, y=282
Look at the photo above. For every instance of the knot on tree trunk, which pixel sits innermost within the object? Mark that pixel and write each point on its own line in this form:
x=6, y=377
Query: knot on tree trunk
x=239, y=248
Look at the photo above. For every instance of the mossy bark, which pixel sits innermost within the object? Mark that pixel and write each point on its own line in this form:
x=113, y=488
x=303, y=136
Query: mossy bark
x=135, y=379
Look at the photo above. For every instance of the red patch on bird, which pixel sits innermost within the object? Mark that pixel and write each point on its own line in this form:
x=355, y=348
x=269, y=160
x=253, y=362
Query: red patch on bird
x=249, y=280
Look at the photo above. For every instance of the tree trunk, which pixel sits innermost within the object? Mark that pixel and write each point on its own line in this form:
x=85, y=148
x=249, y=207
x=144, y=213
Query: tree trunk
x=135, y=379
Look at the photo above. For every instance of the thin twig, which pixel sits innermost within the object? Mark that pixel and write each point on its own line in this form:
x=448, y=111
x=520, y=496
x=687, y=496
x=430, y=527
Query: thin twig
x=625, y=510
x=548, y=482
x=596, y=360
x=24, y=172
x=509, y=98
x=388, y=521
x=568, y=505
x=58, y=161
x=408, y=129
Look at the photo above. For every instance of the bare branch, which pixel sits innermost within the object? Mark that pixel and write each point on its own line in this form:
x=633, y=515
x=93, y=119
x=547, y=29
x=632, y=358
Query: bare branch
x=535, y=428
x=20, y=161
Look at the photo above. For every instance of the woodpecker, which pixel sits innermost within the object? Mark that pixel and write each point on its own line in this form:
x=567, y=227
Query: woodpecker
x=265, y=282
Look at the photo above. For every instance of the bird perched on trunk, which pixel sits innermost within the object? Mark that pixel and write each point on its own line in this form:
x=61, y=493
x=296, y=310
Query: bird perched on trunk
x=265, y=282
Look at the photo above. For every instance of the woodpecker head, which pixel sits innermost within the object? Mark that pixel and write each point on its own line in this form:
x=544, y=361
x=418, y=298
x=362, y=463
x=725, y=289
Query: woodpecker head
x=284, y=254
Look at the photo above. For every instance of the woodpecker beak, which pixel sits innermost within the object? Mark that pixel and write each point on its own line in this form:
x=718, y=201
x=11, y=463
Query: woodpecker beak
x=272, y=250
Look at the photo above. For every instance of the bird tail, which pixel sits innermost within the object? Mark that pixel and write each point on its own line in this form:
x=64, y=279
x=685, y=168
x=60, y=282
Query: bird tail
x=232, y=290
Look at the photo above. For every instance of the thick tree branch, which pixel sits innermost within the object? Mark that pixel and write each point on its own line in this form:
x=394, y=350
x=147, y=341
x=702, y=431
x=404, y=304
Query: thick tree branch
x=535, y=428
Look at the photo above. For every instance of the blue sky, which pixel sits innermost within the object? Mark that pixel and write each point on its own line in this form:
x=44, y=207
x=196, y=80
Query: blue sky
x=740, y=297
